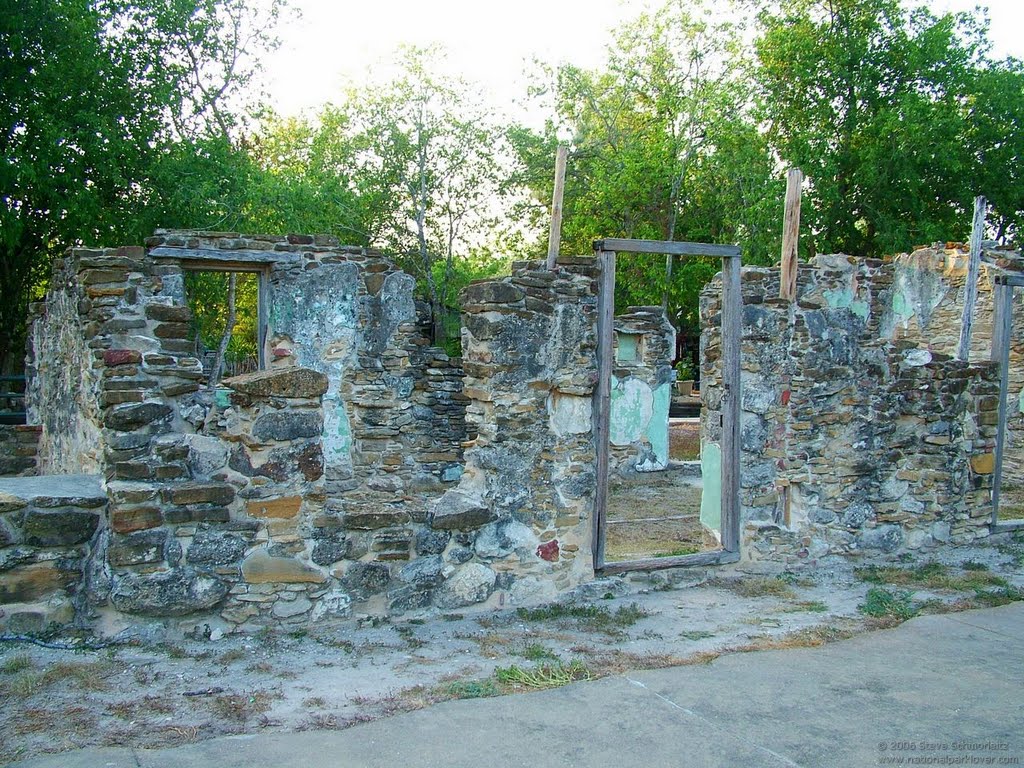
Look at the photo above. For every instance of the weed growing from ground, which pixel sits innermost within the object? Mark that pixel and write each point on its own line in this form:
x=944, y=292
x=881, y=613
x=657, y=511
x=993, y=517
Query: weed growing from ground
x=880, y=603
x=592, y=617
x=552, y=675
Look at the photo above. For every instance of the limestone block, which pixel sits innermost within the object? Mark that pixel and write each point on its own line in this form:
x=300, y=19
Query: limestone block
x=261, y=567
x=470, y=583
x=137, y=548
x=423, y=572
x=59, y=528
x=282, y=382
x=176, y=592
x=33, y=581
x=569, y=414
x=199, y=493
x=288, y=425
x=504, y=538
x=128, y=417
x=457, y=510
x=283, y=508
x=362, y=580
x=215, y=548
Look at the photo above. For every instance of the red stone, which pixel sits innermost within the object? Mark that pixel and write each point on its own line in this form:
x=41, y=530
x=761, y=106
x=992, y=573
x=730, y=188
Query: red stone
x=282, y=352
x=548, y=551
x=785, y=397
x=121, y=356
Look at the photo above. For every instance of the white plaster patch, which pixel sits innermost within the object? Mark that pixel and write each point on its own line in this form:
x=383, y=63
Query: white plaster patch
x=569, y=414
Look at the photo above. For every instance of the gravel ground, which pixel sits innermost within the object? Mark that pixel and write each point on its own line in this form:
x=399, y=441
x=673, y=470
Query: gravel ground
x=148, y=692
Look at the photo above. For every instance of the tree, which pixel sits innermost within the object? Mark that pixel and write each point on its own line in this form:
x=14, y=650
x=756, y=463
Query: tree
x=880, y=105
x=664, y=149
x=428, y=173
x=99, y=100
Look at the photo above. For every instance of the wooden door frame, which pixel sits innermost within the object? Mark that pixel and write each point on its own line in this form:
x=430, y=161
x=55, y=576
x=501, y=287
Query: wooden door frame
x=1002, y=332
x=731, y=330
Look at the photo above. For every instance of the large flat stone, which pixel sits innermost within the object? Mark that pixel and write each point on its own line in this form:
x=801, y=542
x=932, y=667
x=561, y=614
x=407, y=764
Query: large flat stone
x=457, y=510
x=283, y=382
x=288, y=425
x=59, y=528
x=283, y=508
x=54, y=491
x=177, y=592
x=263, y=568
x=33, y=581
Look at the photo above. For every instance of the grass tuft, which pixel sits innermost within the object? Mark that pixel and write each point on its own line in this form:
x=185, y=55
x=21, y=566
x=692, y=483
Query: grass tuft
x=552, y=675
x=592, y=617
x=880, y=603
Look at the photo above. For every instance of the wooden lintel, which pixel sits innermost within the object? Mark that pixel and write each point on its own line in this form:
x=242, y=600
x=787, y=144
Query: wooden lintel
x=239, y=257
x=790, y=234
x=620, y=245
x=963, y=350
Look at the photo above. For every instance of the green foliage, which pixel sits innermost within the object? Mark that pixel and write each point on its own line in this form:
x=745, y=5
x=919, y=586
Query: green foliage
x=895, y=115
x=593, y=617
x=881, y=603
x=553, y=675
x=206, y=293
x=471, y=689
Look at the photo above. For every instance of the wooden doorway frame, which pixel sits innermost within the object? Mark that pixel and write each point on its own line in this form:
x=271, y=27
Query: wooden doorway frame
x=731, y=329
x=1002, y=332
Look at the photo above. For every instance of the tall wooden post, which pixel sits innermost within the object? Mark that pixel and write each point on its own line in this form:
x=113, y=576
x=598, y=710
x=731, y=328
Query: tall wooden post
x=963, y=350
x=555, y=234
x=790, y=234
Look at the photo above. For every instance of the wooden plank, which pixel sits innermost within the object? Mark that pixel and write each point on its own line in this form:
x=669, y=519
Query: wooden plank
x=555, y=233
x=791, y=234
x=241, y=258
x=963, y=350
x=732, y=329
x=1001, y=331
x=1008, y=526
x=1015, y=280
x=263, y=316
x=620, y=245
x=603, y=398
x=718, y=557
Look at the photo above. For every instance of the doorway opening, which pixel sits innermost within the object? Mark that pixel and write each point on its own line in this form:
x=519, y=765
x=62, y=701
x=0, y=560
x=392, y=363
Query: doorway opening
x=666, y=514
x=1007, y=486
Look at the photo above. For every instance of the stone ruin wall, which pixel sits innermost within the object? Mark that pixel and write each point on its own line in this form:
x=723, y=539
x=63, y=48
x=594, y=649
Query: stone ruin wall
x=333, y=481
x=641, y=391
x=853, y=435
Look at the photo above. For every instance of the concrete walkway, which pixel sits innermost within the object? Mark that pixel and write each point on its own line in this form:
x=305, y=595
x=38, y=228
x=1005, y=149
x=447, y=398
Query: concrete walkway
x=938, y=690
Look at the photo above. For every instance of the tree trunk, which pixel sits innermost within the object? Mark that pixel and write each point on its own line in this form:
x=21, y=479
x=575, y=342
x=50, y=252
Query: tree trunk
x=229, y=327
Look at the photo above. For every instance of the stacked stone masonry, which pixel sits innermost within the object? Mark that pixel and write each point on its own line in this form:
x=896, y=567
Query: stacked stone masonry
x=360, y=471
x=859, y=431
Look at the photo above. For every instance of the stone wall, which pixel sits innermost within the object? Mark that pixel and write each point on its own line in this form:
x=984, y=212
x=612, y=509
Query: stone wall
x=521, y=515
x=19, y=448
x=928, y=307
x=641, y=392
x=334, y=480
x=851, y=438
x=50, y=532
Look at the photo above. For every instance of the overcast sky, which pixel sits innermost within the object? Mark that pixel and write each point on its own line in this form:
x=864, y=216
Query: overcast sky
x=490, y=43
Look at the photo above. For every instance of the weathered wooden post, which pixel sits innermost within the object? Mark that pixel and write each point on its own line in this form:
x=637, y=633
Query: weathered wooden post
x=790, y=234
x=555, y=234
x=963, y=350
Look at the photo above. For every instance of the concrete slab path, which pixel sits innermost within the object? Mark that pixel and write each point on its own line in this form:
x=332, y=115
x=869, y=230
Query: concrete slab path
x=937, y=690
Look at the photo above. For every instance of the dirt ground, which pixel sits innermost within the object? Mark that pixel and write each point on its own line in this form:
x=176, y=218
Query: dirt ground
x=684, y=439
x=654, y=514
x=140, y=692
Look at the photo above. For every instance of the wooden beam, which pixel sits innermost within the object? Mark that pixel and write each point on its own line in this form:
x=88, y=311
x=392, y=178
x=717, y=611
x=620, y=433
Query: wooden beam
x=718, y=557
x=791, y=234
x=603, y=398
x=1002, y=324
x=1015, y=280
x=963, y=350
x=732, y=330
x=619, y=245
x=555, y=233
x=240, y=259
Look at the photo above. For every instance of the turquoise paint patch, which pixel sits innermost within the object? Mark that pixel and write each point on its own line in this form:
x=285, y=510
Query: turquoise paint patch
x=1020, y=401
x=711, y=497
x=627, y=349
x=843, y=298
x=657, y=428
x=630, y=415
x=222, y=397
x=901, y=307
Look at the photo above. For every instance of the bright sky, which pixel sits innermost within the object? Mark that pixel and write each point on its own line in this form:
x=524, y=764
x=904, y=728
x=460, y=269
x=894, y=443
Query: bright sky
x=488, y=42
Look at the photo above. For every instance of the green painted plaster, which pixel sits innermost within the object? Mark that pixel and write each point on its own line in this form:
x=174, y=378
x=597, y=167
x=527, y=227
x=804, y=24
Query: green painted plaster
x=337, y=433
x=627, y=349
x=631, y=403
x=657, y=427
x=844, y=298
x=711, y=496
x=1020, y=401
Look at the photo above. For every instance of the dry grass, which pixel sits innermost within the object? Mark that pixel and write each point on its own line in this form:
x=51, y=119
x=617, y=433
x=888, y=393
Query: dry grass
x=811, y=637
x=932, y=575
x=684, y=440
x=757, y=586
x=240, y=707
